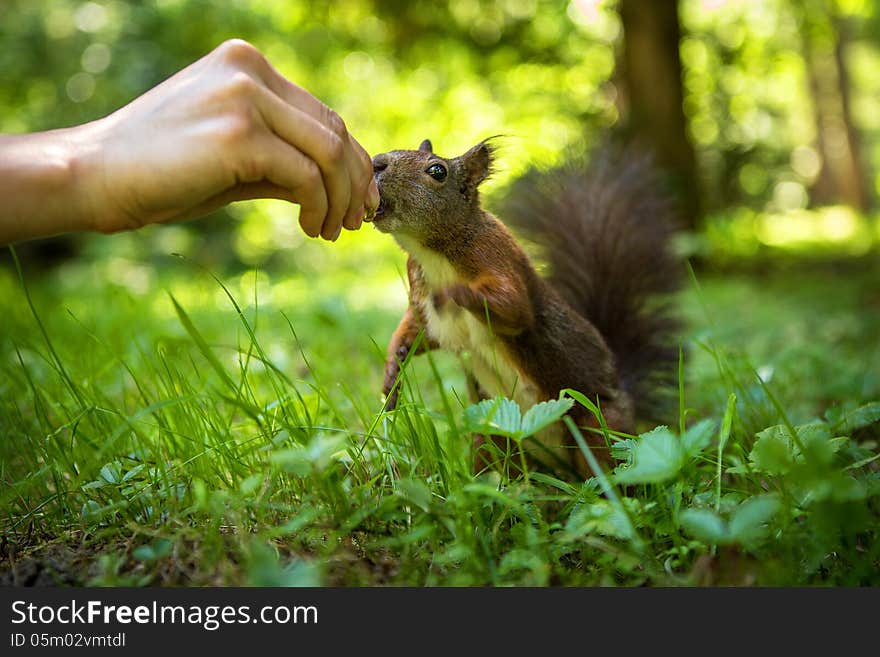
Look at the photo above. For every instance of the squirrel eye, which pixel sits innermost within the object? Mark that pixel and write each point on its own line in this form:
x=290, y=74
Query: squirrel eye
x=437, y=172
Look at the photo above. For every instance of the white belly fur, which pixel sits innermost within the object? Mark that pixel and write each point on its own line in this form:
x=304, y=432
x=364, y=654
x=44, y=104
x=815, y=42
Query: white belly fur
x=457, y=330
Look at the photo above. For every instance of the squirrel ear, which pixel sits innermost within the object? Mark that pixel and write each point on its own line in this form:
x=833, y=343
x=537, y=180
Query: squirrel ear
x=477, y=164
x=426, y=146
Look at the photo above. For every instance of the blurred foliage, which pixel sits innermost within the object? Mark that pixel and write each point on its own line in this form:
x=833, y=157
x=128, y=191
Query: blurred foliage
x=397, y=72
x=539, y=72
x=544, y=75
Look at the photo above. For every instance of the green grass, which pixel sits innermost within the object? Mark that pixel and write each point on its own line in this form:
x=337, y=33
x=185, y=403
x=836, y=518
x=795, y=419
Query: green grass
x=161, y=426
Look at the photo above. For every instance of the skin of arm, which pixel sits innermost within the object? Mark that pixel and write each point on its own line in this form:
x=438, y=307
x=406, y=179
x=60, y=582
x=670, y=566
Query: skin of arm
x=227, y=128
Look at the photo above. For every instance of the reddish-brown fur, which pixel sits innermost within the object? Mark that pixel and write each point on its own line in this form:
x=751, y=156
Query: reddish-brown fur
x=464, y=260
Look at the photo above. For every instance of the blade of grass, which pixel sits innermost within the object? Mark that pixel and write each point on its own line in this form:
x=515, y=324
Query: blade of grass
x=73, y=388
x=202, y=345
x=607, y=487
x=726, y=425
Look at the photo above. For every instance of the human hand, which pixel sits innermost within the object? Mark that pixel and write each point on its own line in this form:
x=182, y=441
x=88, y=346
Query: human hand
x=228, y=127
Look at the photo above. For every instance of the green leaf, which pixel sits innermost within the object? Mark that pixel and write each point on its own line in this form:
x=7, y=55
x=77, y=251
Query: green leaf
x=846, y=488
x=503, y=417
x=266, y=569
x=622, y=450
x=302, y=573
x=91, y=511
x=415, y=492
x=773, y=451
x=814, y=432
x=705, y=525
x=507, y=417
x=144, y=553
x=564, y=486
x=857, y=418
x=748, y=522
x=133, y=472
x=726, y=423
x=819, y=446
x=491, y=494
x=322, y=450
x=656, y=457
x=160, y=548
x=697, y=438
x=250, y=484
x=497, y=416
x=582, y=399
x=600, y=517
x=294, y=460
x=543, y=414
x=111, y=473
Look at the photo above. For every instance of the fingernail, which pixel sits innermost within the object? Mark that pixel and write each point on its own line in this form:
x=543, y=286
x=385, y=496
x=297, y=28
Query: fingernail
x=373, y=194
x=337, y=233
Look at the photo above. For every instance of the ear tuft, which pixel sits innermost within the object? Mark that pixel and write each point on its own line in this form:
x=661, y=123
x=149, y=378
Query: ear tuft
x=478, y=163
x=426, y=147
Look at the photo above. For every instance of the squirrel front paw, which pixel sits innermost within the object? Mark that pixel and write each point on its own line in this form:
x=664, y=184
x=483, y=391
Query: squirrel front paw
x=439, y=299
x=392, y=372
x=458, y=293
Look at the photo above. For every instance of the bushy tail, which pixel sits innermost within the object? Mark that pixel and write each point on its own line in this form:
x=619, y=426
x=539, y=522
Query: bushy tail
x=605, y=230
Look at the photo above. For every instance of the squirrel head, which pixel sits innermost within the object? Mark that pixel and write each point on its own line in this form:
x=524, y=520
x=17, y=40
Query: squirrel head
x=425, y=196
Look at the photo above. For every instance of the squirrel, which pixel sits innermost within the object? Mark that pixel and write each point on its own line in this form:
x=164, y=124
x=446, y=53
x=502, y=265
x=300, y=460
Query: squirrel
x=594, y=324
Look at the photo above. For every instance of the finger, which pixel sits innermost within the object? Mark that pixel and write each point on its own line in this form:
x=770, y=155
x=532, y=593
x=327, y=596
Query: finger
x=321, y=145
x=371, y=204
x=289, y=92
x=373, y=193
x=285, y=166
x=241, y=192
x=365, y=192
x=365, y=196
x=367, y=164
x=240, y=55
x=360, y=172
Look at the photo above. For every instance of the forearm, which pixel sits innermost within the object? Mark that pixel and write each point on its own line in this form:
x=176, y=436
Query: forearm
x=47, y=180
x=503, y=302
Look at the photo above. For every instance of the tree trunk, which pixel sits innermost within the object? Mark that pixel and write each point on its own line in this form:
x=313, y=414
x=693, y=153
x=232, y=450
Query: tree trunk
x=861, y=175
x=653, y=110
x=842, y=178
